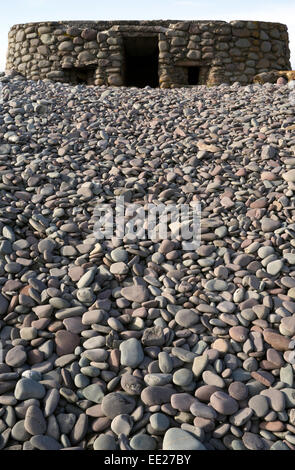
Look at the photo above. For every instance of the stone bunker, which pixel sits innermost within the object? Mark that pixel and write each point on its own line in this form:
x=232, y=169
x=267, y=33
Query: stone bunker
x=166, y=54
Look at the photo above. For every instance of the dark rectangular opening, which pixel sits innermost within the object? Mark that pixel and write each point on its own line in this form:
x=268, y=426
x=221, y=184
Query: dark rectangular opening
x=81, y=75
x=141, y=62
x=193, y=75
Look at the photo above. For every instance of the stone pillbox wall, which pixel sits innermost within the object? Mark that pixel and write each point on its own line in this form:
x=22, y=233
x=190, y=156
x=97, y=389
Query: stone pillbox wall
x=167, y=54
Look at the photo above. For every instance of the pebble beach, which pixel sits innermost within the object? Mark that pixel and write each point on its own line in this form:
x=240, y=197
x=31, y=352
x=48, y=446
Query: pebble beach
x=136, y=344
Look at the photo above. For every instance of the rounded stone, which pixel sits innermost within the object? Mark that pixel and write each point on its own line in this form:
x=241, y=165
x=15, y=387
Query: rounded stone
x=35, y=422
x=16, y=356
x=203, y=411
x=41, y=442
x=178, y=439
x=131, y=353
x=19, y=433
x=28, y=333
x=252, y=441
x=182, y=377
x=276, y=399
x=93, y=393
x=217, y=285
x=156, y=395
x=223, y=403
x=238, y=333
x=119, y=254
x=289, y=176
x=122, y=424
x=143, y=442
x=210, y=378
x=105, y=442
x=159, y=422
x=238, y=391
x=136, y=293
x=66, y=422
x=119, y=268
x=186, y=318
x=86, y=295
x=259, y=404
x=28, y=388
x=46, y=245
x=117, y=403
x=66, y=342
x=131, y=384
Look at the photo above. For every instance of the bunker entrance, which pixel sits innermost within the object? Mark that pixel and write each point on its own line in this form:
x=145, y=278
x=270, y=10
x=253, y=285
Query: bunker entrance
x=190, y=74
x=81, y=75
x=193, y=75
x=141, y=62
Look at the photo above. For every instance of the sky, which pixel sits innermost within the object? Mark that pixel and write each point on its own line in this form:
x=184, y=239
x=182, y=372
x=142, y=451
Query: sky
x=25, y=11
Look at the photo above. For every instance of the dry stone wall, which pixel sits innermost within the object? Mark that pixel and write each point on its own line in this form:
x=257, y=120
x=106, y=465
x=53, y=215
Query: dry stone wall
x=93, y=52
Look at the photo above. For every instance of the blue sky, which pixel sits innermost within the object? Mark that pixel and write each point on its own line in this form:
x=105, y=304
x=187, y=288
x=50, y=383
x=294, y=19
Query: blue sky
x=24, y=11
